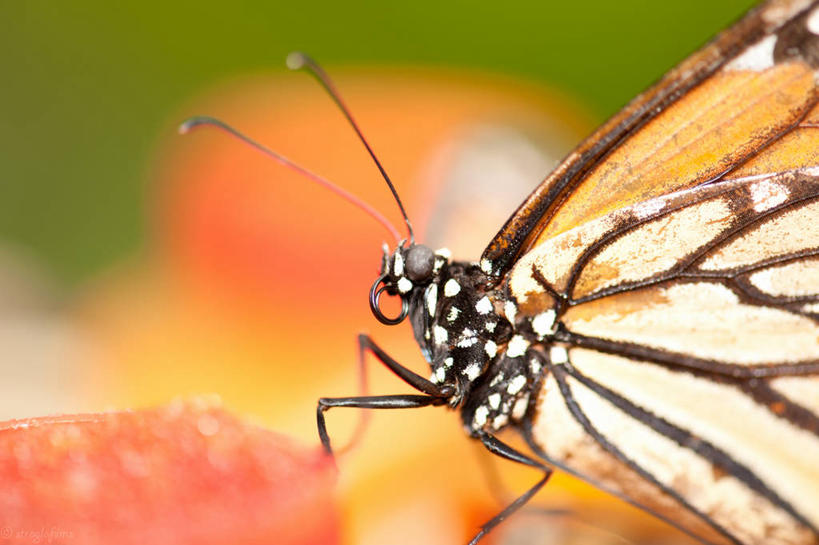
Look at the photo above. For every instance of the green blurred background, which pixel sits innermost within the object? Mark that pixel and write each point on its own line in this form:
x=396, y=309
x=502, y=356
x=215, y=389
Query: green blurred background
x=89, y=86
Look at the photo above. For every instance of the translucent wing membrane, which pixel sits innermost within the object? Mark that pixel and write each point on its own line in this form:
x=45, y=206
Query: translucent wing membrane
x=688, y=354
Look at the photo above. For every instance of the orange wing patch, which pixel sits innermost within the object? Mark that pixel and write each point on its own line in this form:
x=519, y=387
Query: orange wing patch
x=794, y=150
x=728, y=118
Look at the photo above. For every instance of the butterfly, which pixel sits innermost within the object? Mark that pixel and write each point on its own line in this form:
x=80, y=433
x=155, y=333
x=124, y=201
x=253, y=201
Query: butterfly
x=648, y=318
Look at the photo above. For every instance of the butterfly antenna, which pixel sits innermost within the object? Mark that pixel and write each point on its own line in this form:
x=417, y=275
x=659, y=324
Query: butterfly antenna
x=297, y=61
x=199, y=121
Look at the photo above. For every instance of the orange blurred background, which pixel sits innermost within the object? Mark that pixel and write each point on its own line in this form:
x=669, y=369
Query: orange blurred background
x=254, y=285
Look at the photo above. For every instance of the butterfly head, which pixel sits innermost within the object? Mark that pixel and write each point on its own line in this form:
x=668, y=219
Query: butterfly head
x=404, y=272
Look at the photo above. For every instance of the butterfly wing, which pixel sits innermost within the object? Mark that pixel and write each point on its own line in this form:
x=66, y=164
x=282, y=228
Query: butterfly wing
x=686, y=368
x=719, y=110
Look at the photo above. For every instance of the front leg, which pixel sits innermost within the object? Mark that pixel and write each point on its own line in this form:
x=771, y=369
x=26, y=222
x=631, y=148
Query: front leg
x=400, y=401
x=435, y=394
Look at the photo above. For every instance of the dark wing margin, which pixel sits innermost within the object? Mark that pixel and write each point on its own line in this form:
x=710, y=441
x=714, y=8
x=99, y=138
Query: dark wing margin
x=538, y=209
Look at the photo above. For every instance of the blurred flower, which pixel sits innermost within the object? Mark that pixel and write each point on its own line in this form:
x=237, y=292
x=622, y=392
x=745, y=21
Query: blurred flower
x=184, y=474
x=254, y=284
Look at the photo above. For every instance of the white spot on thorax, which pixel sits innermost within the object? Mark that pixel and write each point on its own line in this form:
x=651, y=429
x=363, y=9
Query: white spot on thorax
x=517, y=346
x=481, y=413
x=516, y=384
x=558, y=355
x=767, y=195
x=440, y=374
x=404, y=284
x=494, y=400
x=484, y=305
x=534, y=365
x=812, y=22
x=500, y=421
x=453, y=314
x=472, y=371
x=398, y=266
x=486, y=266
x=497, y=380
x=543, y=323
x=443, y=252
x=440, y=334
x=466, y=342
x=758, y=57
x=452, y=288
x=510, y=310
x=490, y=326
x=520, y=407
x=432, y=299
x=490, y=348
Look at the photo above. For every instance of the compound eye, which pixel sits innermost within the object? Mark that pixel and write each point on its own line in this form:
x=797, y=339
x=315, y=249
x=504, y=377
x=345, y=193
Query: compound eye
x=420, y=262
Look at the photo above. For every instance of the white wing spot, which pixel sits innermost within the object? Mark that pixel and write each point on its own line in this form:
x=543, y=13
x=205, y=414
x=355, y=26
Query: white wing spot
x=497, y=380
x=481, y=413
x=494, y=400
x=558, y=355
x=516, y=384
x=543, y=323
x=510, y=310
x=812, y=22
x=452, y=288
x=440, y=334
x=767, y=195
x=432, y=299
x=472, y=371
x=404, y=285
x=484, y=306
x=486, y=266
x=448, y=362
x=517, y=346
x=453, y=314
x=813, y=308
x=490, y=348
x=758, y=57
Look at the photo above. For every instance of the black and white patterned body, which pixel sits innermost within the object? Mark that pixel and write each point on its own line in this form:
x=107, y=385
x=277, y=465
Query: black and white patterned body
x=470, y=334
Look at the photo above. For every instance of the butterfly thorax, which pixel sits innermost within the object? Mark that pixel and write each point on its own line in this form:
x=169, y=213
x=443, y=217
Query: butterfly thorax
x=468, y=331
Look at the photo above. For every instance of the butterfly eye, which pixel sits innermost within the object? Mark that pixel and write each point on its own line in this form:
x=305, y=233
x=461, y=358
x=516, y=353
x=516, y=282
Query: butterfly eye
x=420, y=261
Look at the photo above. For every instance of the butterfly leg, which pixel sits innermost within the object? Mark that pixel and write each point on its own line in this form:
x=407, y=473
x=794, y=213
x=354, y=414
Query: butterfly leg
x=400, y=401
x=435, y=395
x=503, y=450
x=365, y=345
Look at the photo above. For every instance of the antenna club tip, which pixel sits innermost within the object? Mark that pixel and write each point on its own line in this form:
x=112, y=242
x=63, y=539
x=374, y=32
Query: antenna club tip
x=189, y=124
x=184, y=127
x=296, y=60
